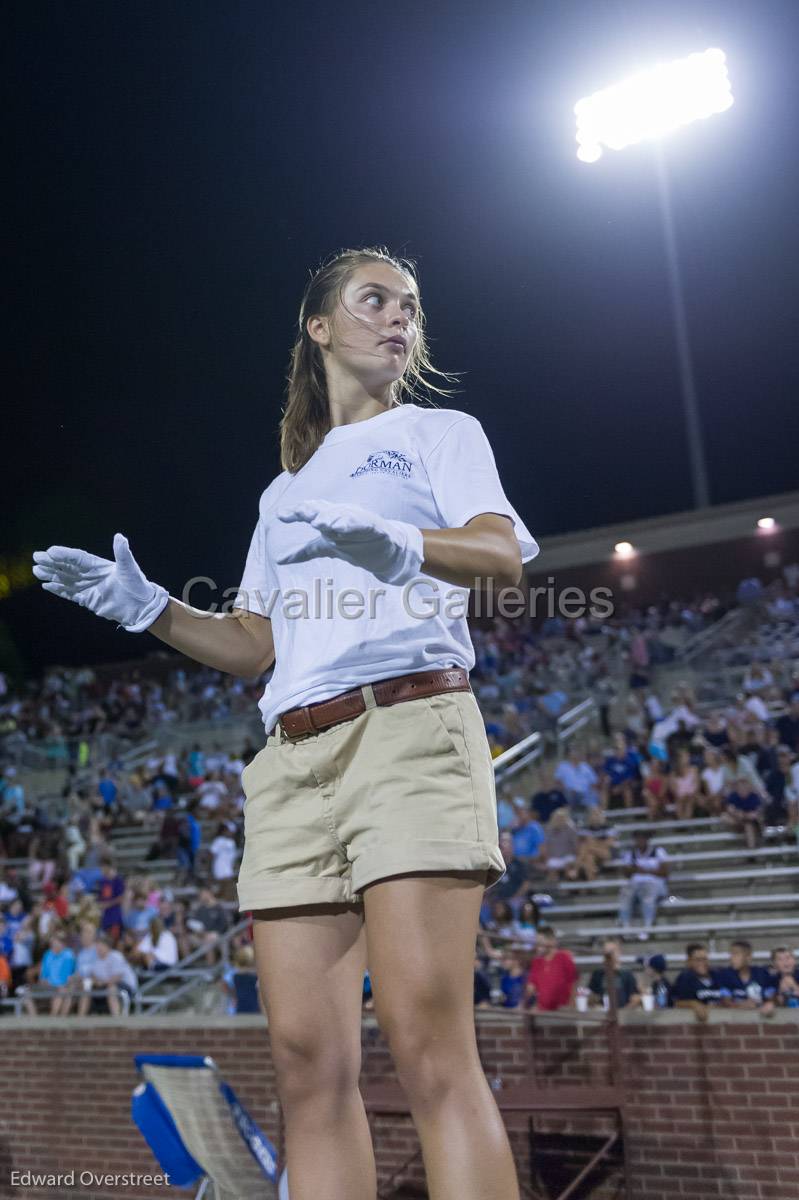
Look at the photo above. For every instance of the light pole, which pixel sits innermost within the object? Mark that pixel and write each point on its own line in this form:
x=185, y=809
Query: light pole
x=646, y=106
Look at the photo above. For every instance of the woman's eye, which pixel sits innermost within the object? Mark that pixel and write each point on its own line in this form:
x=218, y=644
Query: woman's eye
x=412, y=307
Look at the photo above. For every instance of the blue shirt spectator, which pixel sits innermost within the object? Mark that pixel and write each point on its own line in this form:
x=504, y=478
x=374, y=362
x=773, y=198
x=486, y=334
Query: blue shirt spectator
x=528, y=839
x=108, y=790
x=578, y=779
x=698, y=984
x=57, y=965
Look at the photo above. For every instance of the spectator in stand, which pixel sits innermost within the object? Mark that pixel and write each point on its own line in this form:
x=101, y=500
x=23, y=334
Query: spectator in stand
x=788, y=726
x=5, y=976
x=526, y=924
x=578, y=779
x=158, y=949
x=137, y=913
x=736, y=765
x=241, y=983
x=655, y=975
x=112, y=974
x=655, y=791
x=513, y=979
x=698, y=985
x=744, y=812
x=500, y=925
x=744, y=985
x=782, y=785
x=684, y=786
x=548, y=797
x=110, y=892
x=212, y=792
x=108, y=791
x=713, y=777
x=620, y=773
x=528, y=838
x=646, y=867
x=506, y=809
x=514, y=882
x=627, y=993
x=208, y=920
x=189, y=840
x=715, y=731
x=784, y=977
x=552, y=978
x=559, y=852
x=482, y=984
x=596, y=845
x=22, y=953
x=55, y=971
x=223, y=855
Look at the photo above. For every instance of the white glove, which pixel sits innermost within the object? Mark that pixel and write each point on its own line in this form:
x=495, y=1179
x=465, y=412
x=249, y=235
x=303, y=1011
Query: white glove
x=116, y=590
x=391, y=550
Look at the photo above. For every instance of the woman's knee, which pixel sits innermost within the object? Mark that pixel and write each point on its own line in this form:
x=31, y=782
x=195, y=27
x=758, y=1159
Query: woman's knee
x=309, y=1064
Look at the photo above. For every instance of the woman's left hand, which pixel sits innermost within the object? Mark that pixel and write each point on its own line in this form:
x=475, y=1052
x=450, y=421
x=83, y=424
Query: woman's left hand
x=391, y=550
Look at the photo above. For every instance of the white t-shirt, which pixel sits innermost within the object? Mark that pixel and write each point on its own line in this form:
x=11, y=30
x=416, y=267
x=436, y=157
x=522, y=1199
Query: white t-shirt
x=223, y=850
x=433, y=468
x=165, y=949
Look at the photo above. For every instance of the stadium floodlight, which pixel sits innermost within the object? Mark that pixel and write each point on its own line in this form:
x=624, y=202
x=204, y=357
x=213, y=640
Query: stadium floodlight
x=767, y=524
x=652, y=103
x=624, y=550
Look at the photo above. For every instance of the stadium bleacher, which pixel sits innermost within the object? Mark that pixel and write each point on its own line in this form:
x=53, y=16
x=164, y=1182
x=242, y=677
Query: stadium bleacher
x=119, y=758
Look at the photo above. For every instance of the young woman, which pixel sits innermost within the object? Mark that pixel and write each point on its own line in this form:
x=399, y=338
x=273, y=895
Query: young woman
x=370, y=817
x=684, y=786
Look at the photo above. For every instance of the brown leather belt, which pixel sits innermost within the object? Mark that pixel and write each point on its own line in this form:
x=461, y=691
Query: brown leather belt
x=311, y=718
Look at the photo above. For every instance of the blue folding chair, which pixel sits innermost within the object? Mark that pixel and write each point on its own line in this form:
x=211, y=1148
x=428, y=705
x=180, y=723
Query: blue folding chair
x=200, y=1134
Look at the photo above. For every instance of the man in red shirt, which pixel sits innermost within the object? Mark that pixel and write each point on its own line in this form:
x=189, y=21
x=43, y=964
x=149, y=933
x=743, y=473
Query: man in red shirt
x=552, y=978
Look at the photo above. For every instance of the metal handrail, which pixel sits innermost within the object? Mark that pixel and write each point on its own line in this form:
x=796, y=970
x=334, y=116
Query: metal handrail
x=575, y=719
x=171, y=972
x=527, y=751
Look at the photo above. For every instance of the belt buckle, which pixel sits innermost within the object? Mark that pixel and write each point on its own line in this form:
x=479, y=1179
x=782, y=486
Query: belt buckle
x=297, y=737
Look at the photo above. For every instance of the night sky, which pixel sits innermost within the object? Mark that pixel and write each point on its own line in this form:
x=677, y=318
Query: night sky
x=179, y=167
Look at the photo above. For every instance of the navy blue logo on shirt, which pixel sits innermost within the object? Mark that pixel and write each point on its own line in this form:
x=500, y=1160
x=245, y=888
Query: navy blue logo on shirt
x=385, y=462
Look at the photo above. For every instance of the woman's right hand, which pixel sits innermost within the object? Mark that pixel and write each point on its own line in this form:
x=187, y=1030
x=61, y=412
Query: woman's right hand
x=115, y=590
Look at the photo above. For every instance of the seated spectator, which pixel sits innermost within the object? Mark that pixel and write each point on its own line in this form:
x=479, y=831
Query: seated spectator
x=22, y=953
x=715, y=731
x=782, y=785
x=552, y=978
x=655, y=973
x=597, y=844
x=698, y=985
x=501, y=924
x=513, y=979
x=112, y=974
x=137, y=914
x=744, y=985
x=528, y=838
x=86, y=956
x=110, y=892
x=646, y=868
x=208, y=920
x=744, y=812
x=655, y=792
x=627, y=993
x=5, y=977
x=55, y=971
x=158, y=949
x=482, y=984
x=514, y=882
x=578, y=779
x=526, y=924
x=620, y=773
x=684, y=786
x=736, y=765
x=788, y=726
x=242, y=982
x=559, y=852
x=506, y=808
x=548, y=797
x=712, y=783
x=784, y=977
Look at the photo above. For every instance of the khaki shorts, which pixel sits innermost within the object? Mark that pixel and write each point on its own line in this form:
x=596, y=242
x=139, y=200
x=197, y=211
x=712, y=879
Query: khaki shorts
x=400, y=788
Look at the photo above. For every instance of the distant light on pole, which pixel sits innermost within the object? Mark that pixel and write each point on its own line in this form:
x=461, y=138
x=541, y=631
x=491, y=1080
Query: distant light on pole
x=652, y=103
x=767, y=524
x=624, y=550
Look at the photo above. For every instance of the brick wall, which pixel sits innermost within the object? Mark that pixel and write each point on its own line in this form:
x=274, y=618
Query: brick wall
x=714, y=1111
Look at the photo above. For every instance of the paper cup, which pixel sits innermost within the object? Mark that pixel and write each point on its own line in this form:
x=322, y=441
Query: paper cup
x=582, y=1004
x=648, y=1001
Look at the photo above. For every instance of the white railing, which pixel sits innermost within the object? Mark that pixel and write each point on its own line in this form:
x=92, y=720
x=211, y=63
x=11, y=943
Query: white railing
x=517, y=757
x=574, y=720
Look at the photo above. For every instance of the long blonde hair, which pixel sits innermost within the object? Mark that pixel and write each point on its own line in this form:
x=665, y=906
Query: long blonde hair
x=306, y=414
